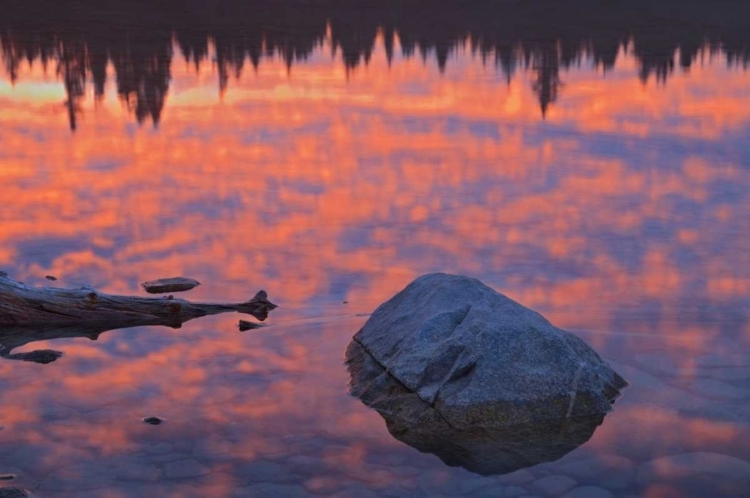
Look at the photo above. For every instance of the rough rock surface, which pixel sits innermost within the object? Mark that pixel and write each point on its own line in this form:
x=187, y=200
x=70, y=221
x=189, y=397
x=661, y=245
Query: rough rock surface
x=482, y=360
x=13, y=493
x=173, y=284
x=483, y=450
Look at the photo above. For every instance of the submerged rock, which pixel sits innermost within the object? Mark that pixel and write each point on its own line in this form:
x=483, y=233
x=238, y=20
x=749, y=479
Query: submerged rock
x=153, y=420
x=478, y=359
x=13, y=493
x=174, y=284
x=483, y=450
x=41, y=356
x=245, y=325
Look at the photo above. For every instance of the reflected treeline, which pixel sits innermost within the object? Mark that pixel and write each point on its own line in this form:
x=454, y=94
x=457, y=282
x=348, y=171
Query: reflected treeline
x=79, y=39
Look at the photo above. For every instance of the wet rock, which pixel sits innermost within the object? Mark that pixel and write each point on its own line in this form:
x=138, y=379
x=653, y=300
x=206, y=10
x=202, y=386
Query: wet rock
x=7, y=477
x=554, y=485
x=483, y=360
x=676, y=466
x=174, y=284
x=245, y=325
x=50, y=277
x=588, y=492
x=485, y=451
x=41, y=356
x=13, y=493
x=153, y=420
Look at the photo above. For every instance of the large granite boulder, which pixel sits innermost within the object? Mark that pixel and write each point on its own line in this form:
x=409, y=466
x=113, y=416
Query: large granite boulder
x=479, y=359
x=483, y=450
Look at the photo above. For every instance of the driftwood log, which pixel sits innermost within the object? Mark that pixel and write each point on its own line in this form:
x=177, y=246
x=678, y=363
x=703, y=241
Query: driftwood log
x=29, y=314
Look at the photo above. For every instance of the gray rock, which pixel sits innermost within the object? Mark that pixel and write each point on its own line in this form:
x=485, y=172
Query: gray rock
x=13, y=493
x=485, y=451
x=588, y=492
x=483, y=360
x=677, y=466
x=174, y=284
x=554, y=485
x=185, y=468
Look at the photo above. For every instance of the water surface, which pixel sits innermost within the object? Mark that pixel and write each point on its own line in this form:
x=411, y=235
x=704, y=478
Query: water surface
x=596, y=170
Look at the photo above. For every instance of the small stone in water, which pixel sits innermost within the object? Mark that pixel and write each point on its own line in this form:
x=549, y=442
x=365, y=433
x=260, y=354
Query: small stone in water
x=13, y=493
x=153, y=420
x=50, y=277
x=42, y=356
x=7, y=477
x=245, y=325
x=174, y=284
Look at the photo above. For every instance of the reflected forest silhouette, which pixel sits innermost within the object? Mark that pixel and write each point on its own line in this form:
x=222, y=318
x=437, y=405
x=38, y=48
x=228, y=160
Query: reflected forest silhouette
x=79, y=39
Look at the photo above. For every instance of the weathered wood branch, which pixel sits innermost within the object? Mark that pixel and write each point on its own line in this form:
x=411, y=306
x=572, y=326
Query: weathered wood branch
x=39, y=313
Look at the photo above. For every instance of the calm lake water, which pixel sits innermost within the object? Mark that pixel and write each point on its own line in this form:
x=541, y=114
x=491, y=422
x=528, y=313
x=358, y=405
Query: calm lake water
x=590, y=162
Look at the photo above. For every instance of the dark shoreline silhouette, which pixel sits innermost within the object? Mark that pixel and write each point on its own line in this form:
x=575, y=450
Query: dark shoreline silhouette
x=80, y=38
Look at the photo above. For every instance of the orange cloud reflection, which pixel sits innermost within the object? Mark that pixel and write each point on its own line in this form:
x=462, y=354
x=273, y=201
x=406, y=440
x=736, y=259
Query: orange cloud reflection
x=325, y=185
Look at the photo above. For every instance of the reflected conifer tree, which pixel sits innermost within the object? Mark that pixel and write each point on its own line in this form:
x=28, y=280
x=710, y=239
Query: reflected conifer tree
x=545, y=37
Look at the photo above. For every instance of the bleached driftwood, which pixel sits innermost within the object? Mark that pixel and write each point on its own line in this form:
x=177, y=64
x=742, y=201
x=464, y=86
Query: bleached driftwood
x=30, y=314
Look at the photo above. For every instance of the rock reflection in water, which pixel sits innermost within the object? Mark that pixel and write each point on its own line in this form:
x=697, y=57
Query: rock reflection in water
x=484, y=450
